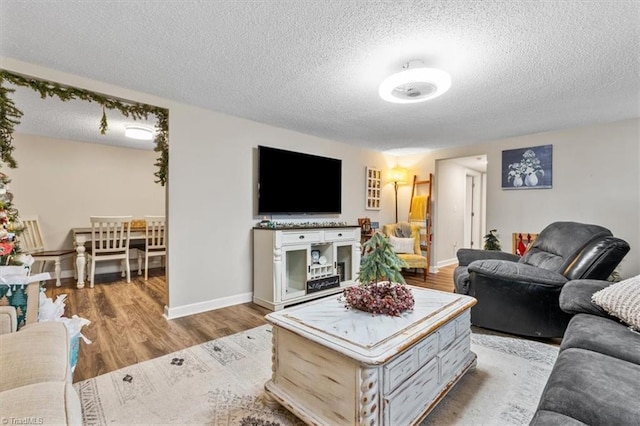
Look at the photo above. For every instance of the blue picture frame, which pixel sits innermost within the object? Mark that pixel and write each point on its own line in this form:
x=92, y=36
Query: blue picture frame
x=527, y=168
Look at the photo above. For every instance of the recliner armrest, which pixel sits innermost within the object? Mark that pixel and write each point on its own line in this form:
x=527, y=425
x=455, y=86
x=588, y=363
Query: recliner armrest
x=514, y=271
x=575, y=297
x=466, y=256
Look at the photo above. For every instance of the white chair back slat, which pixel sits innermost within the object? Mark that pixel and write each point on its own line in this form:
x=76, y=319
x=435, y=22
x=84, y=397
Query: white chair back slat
x=156, y=232
x=30, y=239
x=110, y=237
x=155, y=241
x=110, y=234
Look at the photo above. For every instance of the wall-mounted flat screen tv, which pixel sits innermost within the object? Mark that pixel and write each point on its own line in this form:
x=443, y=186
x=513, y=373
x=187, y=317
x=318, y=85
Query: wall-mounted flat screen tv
x=296, y=183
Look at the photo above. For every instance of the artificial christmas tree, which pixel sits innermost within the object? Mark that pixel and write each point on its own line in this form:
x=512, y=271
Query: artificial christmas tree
x=10, y=225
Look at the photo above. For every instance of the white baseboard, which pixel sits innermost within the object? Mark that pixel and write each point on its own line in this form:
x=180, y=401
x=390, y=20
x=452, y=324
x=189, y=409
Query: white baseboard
x=209, y=305
x=433, y=269
x=447, y=262
x=108, y=267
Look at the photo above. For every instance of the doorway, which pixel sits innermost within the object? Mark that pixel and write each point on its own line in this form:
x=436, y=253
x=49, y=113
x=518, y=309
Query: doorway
x=472, y=209
x=460, y=207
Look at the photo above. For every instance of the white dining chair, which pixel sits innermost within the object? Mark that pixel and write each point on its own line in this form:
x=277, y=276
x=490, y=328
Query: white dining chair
x=31, y=242
x=110, y=237
x=154, y=243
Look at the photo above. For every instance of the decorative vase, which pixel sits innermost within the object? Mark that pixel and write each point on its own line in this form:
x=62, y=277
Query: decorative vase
x=517, y=181
x=531, y=179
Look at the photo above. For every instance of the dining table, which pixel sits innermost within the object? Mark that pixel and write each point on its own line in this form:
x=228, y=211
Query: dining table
x=80, y=238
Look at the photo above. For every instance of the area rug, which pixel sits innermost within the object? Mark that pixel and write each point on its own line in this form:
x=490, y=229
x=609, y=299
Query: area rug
x=220, y=383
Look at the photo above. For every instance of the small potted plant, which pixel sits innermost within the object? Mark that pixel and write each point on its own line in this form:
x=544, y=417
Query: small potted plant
x=491, y=241
x=382, y=288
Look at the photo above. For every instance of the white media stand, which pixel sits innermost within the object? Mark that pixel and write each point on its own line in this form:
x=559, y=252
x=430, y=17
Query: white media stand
x=284, y=274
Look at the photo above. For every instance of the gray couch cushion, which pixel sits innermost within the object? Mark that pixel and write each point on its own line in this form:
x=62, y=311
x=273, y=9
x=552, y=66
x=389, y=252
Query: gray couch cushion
x=593, y=388
x=604, y=336
x=576, y=297
x=517, y=272
x=466, y=256
x=550, y=418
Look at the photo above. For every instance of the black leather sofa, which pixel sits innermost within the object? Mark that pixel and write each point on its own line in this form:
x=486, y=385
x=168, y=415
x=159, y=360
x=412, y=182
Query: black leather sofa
x=520, y=295
x=596, y=378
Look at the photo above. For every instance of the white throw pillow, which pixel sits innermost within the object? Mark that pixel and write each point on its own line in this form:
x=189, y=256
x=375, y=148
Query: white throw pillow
x=402, y=245
x=622, y=300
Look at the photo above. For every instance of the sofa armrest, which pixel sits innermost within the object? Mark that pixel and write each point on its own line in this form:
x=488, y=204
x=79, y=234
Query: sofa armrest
x=33, y=303
x=517, y=272
x=466, y=256
x=575, y=297
x=8, y=320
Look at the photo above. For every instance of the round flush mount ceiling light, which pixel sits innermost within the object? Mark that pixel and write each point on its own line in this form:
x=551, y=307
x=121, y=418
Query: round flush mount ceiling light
x=138, y=132
x=414, y=85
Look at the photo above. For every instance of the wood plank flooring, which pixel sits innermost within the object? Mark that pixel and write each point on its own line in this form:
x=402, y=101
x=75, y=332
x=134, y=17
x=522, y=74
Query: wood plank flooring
x=127, y=325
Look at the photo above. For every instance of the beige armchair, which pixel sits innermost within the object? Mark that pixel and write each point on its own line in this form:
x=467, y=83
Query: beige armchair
x=415, y=260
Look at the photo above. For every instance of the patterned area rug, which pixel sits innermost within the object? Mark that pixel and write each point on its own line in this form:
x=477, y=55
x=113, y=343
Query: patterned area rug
x=220, y=383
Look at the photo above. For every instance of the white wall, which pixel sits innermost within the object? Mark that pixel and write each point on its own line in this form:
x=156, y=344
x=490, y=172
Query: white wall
x=210, y=192
x=64, y=182
x=596, y=179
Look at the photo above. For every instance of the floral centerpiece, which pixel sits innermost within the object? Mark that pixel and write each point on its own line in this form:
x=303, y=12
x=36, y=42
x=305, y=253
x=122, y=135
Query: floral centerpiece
x=382, y=288
x=526, y=171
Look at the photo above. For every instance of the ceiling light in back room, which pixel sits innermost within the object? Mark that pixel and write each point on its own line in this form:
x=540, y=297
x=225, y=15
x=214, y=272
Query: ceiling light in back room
x=138, y=132
x=415, y=84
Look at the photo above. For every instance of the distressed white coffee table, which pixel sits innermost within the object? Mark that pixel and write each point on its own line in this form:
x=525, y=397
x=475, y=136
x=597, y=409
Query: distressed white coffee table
x=342, y=367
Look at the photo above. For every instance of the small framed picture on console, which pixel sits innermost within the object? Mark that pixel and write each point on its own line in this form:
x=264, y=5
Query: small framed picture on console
x=365, y=225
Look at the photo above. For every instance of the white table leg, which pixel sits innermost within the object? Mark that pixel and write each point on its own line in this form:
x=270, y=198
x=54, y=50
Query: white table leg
x=58, y=270
x=139, y=262
x=81, y=260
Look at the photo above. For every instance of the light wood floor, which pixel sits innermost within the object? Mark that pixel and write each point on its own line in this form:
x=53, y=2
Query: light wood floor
x=127, y=325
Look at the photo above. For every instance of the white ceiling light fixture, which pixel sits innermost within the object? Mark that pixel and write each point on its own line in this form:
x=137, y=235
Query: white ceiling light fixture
x=415, y=84
x=138, y=132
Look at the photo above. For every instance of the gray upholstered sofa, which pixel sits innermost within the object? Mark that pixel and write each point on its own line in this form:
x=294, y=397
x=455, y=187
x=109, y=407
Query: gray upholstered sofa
x=596, y=378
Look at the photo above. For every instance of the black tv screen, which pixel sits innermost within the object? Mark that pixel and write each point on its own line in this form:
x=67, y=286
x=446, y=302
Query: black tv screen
x=296, y=183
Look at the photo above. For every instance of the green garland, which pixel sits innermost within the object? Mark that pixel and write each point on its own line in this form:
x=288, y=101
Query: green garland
x=10, y=115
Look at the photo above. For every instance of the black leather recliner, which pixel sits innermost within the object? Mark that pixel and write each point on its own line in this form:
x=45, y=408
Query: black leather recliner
x=521, y=295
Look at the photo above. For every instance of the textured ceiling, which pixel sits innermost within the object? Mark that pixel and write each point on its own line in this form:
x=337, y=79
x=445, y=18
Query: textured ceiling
x=517, y=67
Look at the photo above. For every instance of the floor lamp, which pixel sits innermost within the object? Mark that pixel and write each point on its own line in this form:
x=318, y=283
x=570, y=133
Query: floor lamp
x=398, y=175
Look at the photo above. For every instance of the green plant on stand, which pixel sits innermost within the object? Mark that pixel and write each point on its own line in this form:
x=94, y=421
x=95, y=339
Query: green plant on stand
x=382, y=288
x=491, y=241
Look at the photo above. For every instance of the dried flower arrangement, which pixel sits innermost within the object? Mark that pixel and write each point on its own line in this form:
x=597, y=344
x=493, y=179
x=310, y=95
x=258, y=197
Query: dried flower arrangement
x=390, y=297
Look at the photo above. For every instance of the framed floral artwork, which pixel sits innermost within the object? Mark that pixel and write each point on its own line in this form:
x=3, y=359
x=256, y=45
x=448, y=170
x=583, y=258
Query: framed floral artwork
x=527, y=168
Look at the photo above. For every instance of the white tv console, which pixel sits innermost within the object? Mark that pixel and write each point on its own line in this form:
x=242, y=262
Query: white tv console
x=284, y=273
